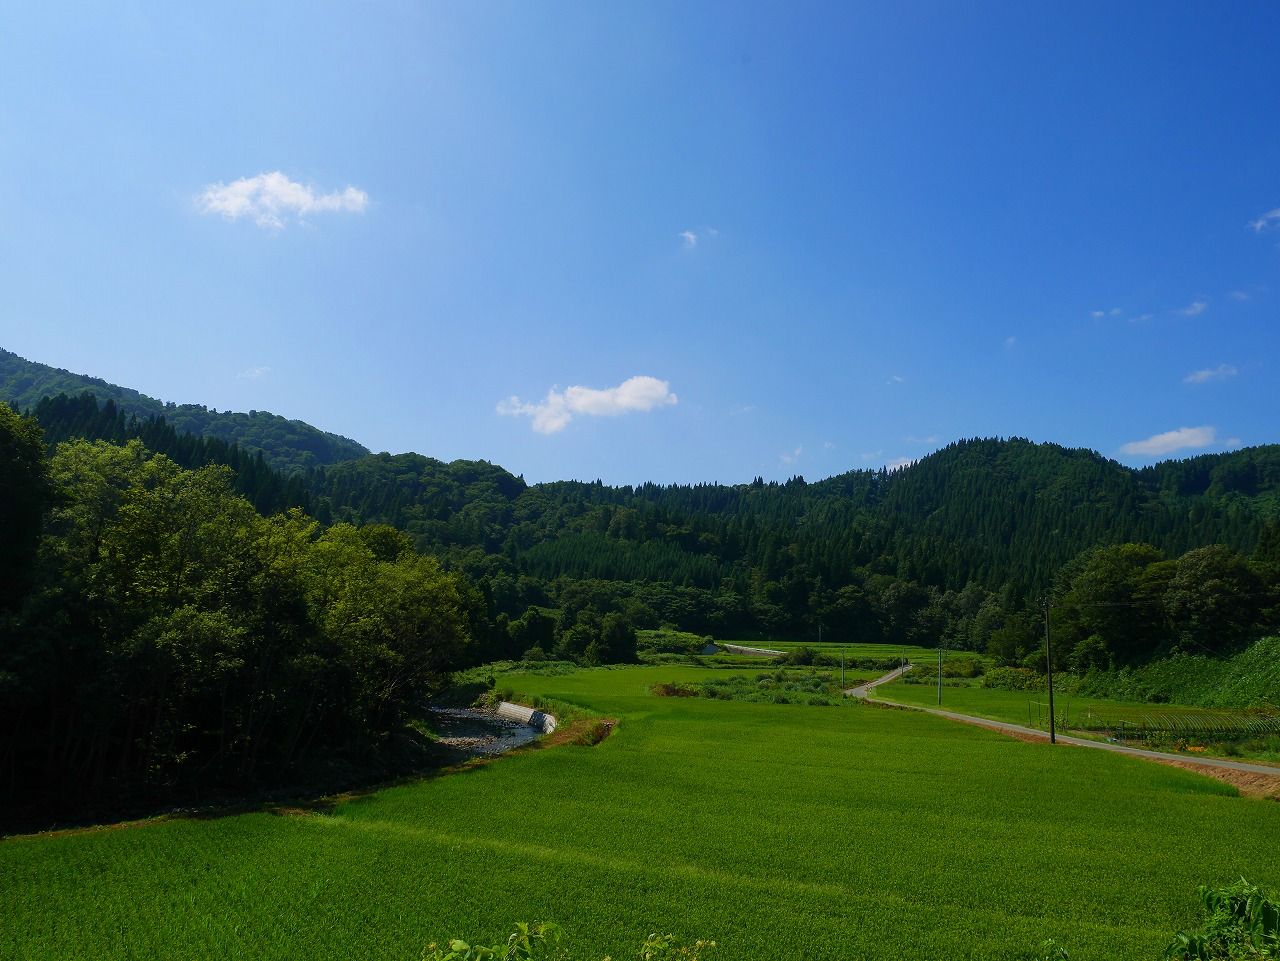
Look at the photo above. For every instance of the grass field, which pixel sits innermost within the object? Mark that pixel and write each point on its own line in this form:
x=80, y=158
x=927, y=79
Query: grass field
x=780, y=831
x=921, y=655
x=1032, y=707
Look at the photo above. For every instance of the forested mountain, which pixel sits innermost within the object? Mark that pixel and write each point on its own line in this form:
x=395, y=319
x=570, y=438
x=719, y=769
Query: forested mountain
x=285, y=444
x=913, y=553
x=169, y=613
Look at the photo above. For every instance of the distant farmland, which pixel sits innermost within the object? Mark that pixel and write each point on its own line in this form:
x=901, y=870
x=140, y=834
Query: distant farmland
x=778, y=830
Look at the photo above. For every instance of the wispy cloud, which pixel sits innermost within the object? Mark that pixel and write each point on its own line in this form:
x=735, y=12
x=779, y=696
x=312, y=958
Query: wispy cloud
x=1184, y=438
x=929, y=439
x=872, y=454
x=1270, y=219
x=272, y=199
x=900, y=462
x=558, y=408
x=896, y=379
x=1221, y=372
x=1195, y=308
x=689, y=239
x=1240, y=296
x=253, y=373
x=1099, y=314
x=1010, y=342
x=792, y=456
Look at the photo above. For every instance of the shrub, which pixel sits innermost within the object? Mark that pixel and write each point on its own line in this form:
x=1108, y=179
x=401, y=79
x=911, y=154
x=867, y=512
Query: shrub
x=540, y=941
x=1241, y=921
x=1013, y=679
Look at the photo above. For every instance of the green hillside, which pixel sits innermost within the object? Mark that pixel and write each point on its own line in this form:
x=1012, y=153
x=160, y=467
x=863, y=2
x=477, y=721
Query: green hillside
x=287, y=445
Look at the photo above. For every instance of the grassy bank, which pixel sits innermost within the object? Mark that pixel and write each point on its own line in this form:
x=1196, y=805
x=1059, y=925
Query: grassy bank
x=833, y=832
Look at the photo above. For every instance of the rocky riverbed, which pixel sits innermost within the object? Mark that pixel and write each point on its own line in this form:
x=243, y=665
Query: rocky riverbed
x=476, y=732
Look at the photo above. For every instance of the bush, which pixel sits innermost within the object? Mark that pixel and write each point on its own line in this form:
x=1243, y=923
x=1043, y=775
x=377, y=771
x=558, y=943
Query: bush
x=1014, y=679
x=1241, y=921
x=541, y=940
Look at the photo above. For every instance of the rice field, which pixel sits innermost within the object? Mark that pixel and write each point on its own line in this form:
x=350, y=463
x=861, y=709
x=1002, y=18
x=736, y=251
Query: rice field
x=1132, y=719
x=888, y=652
x=781, y=831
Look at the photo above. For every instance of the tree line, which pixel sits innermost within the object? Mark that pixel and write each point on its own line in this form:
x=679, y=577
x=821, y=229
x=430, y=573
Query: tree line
x=160, y=636
x=941, y=553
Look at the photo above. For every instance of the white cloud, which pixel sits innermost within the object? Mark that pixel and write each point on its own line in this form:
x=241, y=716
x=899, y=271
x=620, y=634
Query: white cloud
x=1232, y=442
x=930, y=439
x=253, y=373
x=1269, y=219
x=1239, y=295
x=1141, y=318
x=559, y=407
x=1097, y=314
x=896, y=379
x=1010, y=342
x=792, y=457
x=1221, y=372
x=899, y=462
x=827, y=445
x=690, y=239
x=872, y=454
x=270, y=199
x=1195, y=308
x=1183, y=438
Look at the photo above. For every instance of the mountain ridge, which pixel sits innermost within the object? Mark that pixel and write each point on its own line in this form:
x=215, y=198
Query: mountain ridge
x=287, y=444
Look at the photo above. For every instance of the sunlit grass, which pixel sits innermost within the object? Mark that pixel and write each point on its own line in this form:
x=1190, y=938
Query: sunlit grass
x=849, y=833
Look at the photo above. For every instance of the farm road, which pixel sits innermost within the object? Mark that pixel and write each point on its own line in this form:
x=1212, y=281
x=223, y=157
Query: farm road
x=864, y=692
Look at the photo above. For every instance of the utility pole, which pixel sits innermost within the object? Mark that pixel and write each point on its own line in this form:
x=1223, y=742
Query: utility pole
x=1048, y=661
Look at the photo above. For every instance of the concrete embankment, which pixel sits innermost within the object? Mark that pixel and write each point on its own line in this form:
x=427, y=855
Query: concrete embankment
x=546, y=723
x=757, y=651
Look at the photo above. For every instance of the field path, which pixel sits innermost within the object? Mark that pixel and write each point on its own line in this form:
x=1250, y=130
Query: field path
x=863, y=691
x=1017, y=730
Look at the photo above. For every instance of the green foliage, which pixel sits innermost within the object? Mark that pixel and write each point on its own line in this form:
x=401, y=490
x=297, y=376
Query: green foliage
x=269, y=489
x=536, y=941
x=1241, y=922
x=1248, y=679
x=288, y=445
x=541, y=940
x=812, y=688
x=950, y=551
x=175, y=639
x=1014, y=679
x=24, y=495
x=668, y=640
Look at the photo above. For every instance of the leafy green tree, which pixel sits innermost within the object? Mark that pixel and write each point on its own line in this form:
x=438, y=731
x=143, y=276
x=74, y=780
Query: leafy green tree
x=24, y=496
x=1213, y=600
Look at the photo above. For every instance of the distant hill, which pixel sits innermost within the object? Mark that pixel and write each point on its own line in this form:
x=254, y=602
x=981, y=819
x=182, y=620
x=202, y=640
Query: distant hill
x=1000, y=515
x=287, y=445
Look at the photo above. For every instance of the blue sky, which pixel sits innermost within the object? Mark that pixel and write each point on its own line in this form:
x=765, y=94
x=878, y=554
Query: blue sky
x=671, y=242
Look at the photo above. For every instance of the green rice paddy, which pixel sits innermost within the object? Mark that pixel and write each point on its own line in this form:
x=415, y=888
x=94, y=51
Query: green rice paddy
x=1031, y=708
x=781, y=831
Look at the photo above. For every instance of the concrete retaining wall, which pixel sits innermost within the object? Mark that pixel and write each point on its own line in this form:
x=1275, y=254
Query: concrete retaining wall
x=759, y=651
x=546, y=723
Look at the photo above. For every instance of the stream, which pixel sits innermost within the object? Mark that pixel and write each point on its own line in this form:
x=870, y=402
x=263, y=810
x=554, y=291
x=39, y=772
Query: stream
x=479, y=733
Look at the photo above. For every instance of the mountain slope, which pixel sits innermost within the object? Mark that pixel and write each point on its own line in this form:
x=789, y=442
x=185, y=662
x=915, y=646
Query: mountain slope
x=287, y=445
